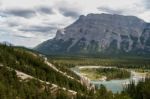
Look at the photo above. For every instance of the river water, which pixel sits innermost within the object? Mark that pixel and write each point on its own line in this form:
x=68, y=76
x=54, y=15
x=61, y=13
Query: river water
x=113, y=85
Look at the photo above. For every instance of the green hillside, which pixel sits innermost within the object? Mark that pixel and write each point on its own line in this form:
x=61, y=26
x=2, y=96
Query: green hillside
x=27, y=75
x=34, y=65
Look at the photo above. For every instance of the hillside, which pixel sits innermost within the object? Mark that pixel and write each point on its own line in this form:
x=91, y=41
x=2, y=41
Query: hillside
x=26, y=75
x=101, y=34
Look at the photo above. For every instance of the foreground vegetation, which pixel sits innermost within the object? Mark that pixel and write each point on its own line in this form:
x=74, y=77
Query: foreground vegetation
x=13, y=87
x=139, y=91
x=34, y=65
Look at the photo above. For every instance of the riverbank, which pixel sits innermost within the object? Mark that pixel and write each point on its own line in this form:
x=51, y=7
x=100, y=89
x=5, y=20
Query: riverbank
x=115, y=85
x=104, y=73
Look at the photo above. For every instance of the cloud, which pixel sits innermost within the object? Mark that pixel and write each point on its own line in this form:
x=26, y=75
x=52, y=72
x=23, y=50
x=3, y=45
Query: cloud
x=45, y=10
x=110, y=10
x=69, y=12
x=147, y=4
x=42, y=29
x=12, y=24
x=2, y=14
x=22, y=36
x=26, y=13
x=133, y=10
x=69, y=9
x=27, y=23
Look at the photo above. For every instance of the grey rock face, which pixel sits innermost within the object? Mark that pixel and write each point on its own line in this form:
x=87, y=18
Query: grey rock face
x=96, y=33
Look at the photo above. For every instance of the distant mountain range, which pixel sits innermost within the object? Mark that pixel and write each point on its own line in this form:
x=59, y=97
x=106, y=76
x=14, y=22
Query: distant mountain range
x=100, y=33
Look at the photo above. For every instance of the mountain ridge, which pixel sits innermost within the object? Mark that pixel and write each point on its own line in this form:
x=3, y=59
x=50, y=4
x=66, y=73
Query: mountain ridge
x=100, y=33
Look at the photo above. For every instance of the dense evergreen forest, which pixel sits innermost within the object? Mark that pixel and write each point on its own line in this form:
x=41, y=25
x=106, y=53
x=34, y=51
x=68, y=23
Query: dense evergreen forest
x=121, y=62
x=139, y=91
x=23, y=60
x=12, y=88
x=33, y=65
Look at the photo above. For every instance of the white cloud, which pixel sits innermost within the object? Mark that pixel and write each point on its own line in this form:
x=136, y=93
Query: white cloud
x=29, y=22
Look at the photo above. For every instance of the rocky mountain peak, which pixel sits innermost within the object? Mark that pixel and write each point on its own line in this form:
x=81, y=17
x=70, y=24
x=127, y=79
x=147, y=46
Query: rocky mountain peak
x=101, y=32
x=103, y=23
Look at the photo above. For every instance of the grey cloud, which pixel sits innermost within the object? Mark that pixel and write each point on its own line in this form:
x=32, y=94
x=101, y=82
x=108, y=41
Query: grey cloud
x=69, y=12
x=12, y=24
x=42, y=29
x=26, y=13
x=0, y=3
x=22, y=36
x=2, y=14
x=68, y=9
x=110, y=10
x=147, y=4
x=45, y=10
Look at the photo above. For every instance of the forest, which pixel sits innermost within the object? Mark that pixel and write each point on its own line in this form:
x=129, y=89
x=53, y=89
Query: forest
x=23, y=60
x=33, y=65
x=120, y=62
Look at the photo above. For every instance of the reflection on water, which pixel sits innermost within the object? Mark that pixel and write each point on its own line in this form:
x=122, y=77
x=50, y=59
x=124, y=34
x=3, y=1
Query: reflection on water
x=115, y=85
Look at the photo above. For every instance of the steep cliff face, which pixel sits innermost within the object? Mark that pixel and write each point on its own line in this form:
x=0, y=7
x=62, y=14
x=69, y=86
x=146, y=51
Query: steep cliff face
x=101, y=33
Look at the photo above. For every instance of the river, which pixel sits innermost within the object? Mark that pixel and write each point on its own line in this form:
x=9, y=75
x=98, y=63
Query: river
x=113, y=85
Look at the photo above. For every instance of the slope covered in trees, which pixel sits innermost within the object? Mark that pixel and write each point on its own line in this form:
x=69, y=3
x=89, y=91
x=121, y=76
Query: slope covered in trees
x=35, y=66
x=139, y=91
x=25, y=61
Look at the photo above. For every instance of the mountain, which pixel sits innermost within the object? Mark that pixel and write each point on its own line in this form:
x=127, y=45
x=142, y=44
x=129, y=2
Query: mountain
x=100, y=33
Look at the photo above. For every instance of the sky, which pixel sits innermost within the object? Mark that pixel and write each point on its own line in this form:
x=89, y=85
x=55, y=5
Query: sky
x=30, y=22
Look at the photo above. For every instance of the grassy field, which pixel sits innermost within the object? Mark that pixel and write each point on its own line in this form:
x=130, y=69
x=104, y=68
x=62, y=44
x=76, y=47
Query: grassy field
x=100, y=73
x=89, y=73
